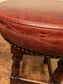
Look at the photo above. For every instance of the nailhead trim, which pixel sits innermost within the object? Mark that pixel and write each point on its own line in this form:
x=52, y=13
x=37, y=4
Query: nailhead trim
x=18, y=48
x=32, y=52
x=27, y=51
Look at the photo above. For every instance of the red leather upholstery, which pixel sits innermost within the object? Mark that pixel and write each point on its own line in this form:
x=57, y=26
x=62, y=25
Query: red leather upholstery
x=33, y=25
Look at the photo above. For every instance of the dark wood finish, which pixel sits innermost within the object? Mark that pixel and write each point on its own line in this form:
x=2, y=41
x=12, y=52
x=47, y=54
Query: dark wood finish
x=55, y=77
x=45, y=60
x=50, y=69
x=58, y=73
x=17, y=57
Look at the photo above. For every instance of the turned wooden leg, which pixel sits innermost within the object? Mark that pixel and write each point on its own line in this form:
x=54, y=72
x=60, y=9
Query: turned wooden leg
x=58, y=73
x=17, y=57
x=45, y=60
x=57, y=76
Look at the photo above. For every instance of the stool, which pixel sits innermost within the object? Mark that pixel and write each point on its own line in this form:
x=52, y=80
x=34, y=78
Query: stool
x=35, y=28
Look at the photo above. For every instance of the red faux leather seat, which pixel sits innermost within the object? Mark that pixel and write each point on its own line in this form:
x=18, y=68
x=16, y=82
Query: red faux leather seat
x=33, y=25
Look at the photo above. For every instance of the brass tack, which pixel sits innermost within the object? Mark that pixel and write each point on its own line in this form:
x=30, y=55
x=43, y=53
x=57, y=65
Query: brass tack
x=22, y=49
x=31, y=53
x=15, y=46
x=48, y=56
x=27, y=51
x=18, y=48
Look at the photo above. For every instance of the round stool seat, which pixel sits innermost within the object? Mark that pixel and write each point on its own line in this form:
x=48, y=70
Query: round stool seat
x=35, y=25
